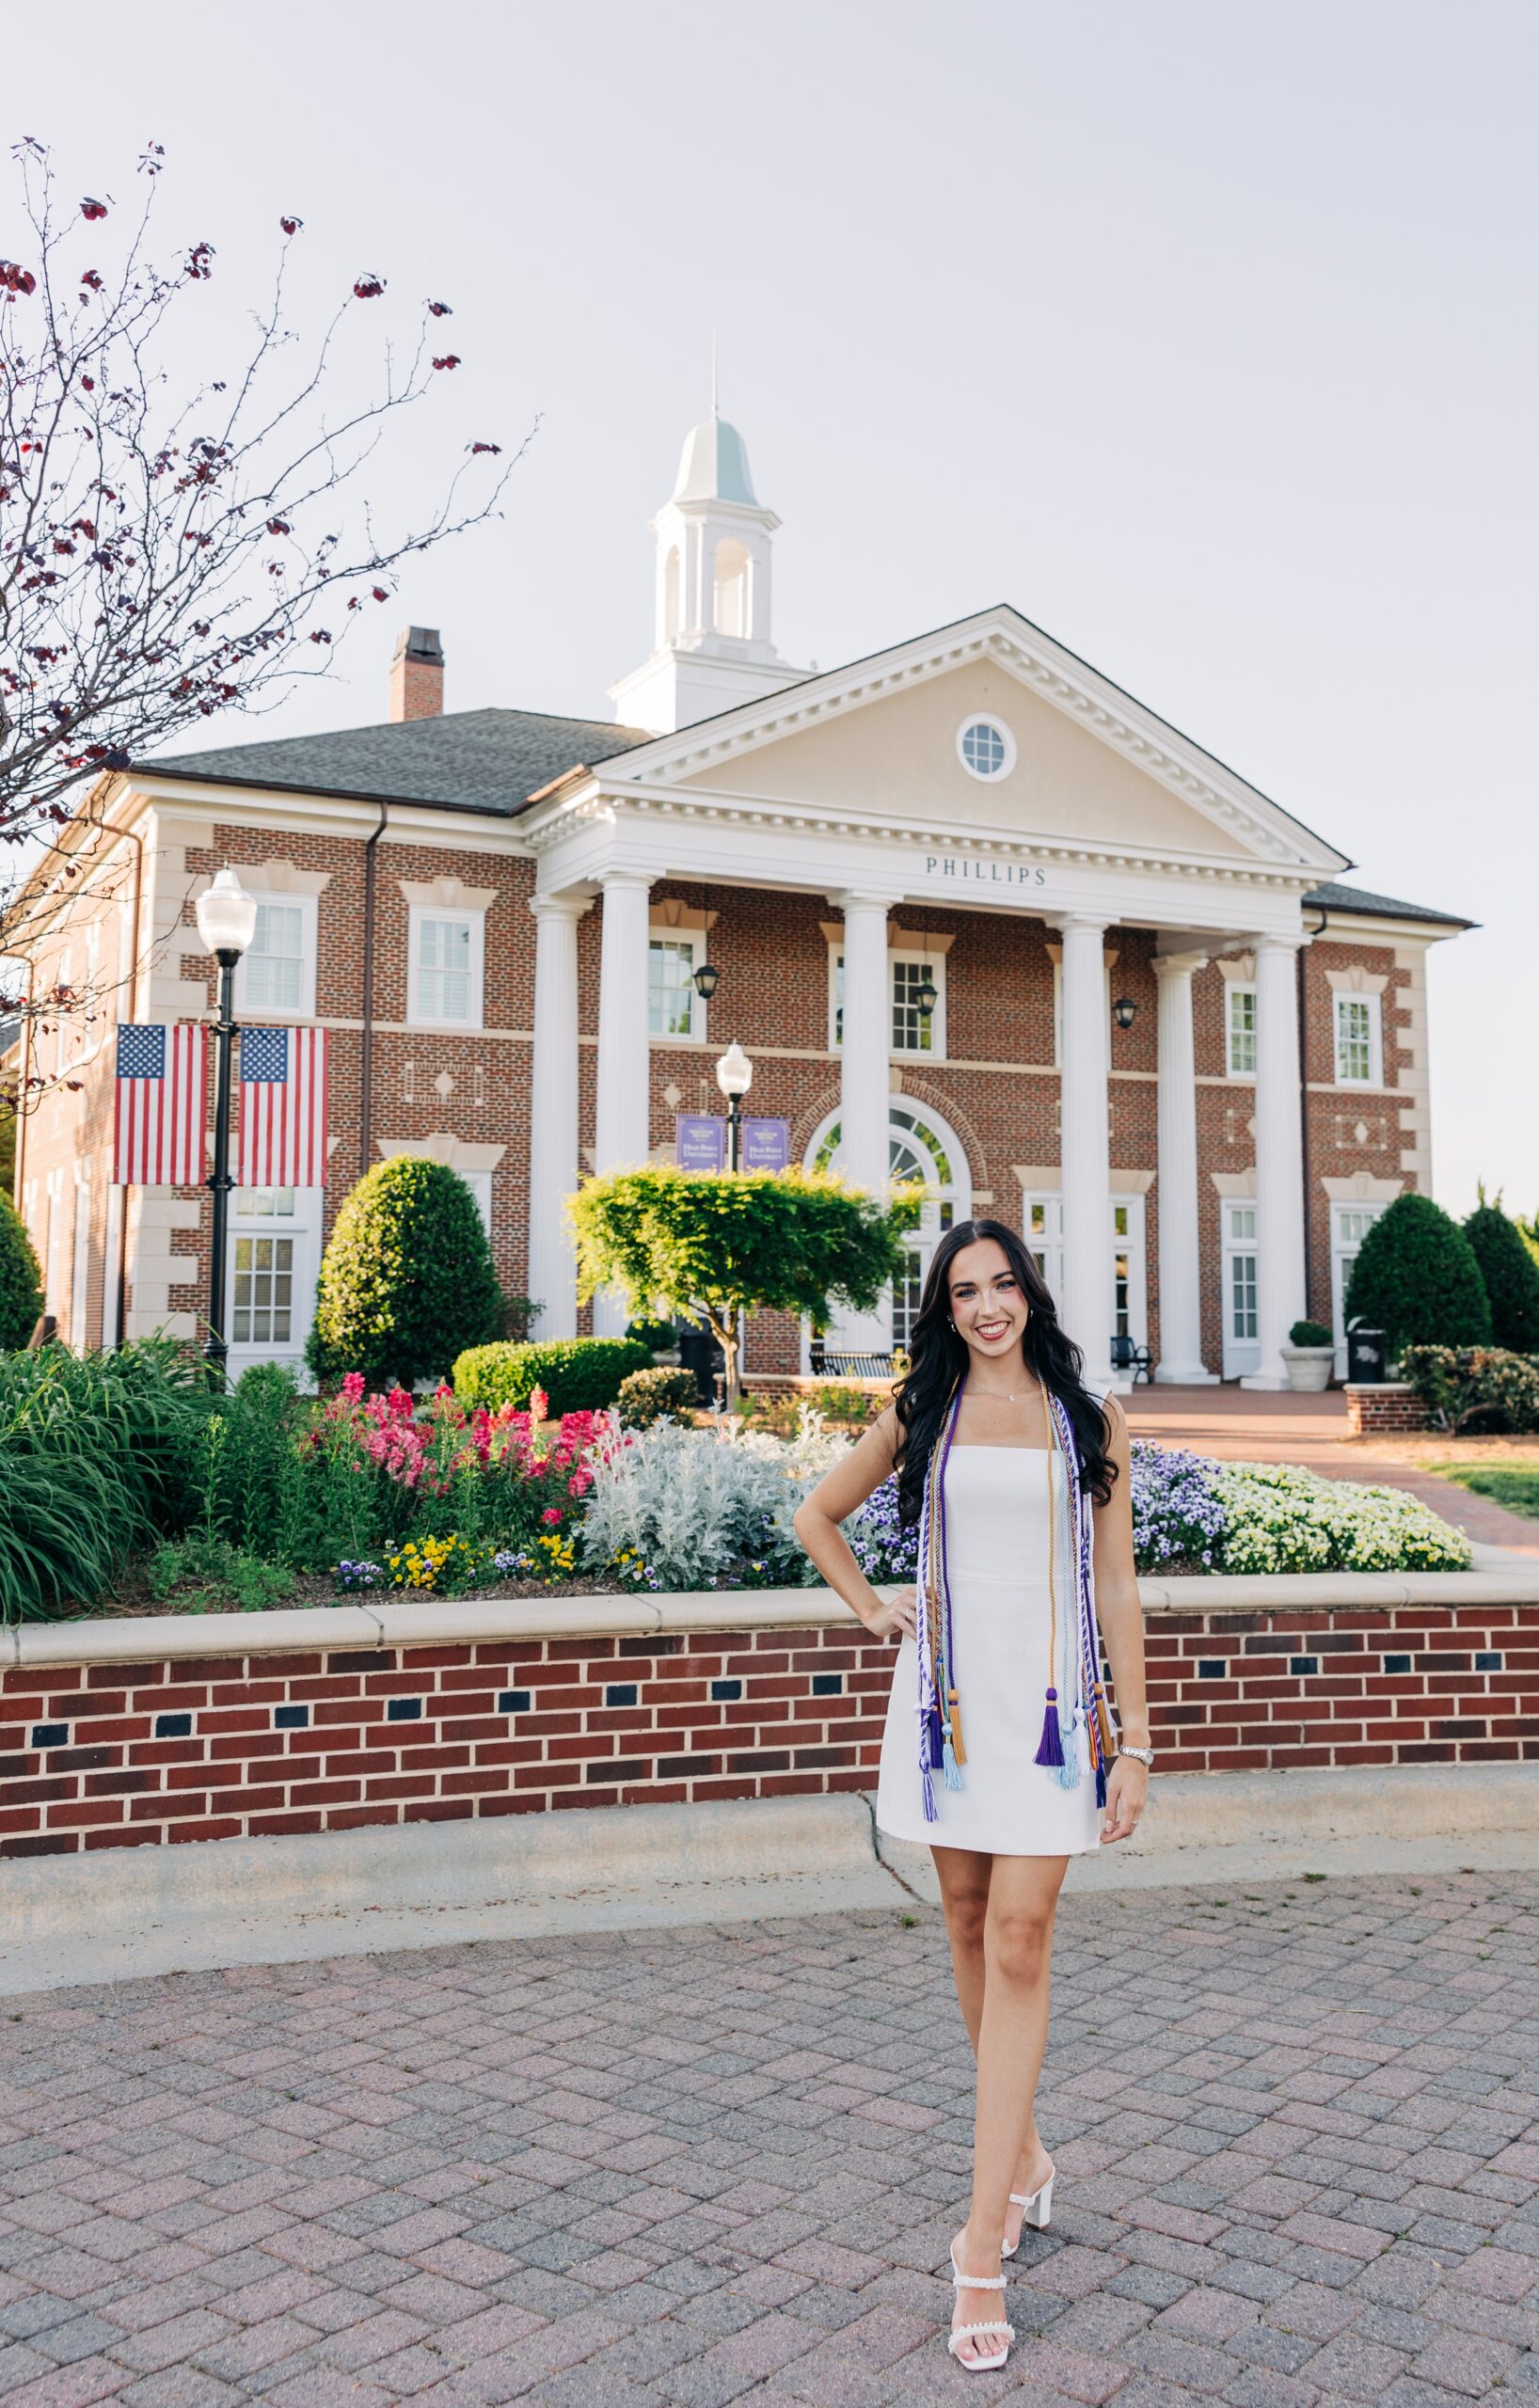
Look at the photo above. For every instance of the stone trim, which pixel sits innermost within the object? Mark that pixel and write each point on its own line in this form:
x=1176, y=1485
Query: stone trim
x=447, y=895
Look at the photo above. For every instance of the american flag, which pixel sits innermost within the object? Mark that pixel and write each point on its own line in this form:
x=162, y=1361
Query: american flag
x=283, y=1107
x=161, y=1106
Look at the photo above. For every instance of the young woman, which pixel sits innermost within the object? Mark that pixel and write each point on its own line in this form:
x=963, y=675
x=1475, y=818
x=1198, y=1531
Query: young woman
x=998, y=1751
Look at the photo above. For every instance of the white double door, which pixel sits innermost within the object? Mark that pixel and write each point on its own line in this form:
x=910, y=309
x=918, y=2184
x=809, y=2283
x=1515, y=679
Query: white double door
x=1127, y=1265
x=1239, y=1258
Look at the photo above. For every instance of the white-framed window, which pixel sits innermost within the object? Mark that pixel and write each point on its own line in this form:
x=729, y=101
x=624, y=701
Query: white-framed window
x=480, y=1184
x=923, y=1152
x=1239, y=1259
x=275, y=1255
x=1360, y=1061
x=909, y=1030
x=1239, y=1030
x=672, y=1006
x=444, y=967
x=274, y=978
x=985, y=747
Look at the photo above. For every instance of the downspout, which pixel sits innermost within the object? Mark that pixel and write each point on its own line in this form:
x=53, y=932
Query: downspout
x=1304, y=1111
x=365, y=1110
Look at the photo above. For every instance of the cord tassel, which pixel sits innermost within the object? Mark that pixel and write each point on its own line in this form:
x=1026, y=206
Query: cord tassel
x=934, y=1755
x=949, y=1774
x=1050, y=1747
x=953, y=1720
x=1101, y=1786
x=928, y=1787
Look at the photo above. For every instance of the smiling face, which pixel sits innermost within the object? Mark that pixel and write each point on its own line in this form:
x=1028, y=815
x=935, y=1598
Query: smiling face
x=986, y=1304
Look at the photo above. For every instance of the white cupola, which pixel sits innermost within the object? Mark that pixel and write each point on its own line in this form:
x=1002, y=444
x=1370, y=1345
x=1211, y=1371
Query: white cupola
x=711, y=647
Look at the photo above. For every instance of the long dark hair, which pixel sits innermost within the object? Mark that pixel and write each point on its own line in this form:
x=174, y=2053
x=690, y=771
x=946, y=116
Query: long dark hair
x=938, y=1360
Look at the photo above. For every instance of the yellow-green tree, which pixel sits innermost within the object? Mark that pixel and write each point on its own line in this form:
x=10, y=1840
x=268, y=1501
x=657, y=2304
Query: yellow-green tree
x=723, y=1244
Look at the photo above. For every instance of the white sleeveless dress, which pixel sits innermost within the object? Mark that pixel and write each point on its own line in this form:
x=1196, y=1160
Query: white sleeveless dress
x=997, y=1561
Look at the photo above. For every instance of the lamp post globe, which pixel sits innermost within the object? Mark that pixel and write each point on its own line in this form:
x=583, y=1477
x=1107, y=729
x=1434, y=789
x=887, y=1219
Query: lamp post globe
x=734, y=1076
x=227, y=922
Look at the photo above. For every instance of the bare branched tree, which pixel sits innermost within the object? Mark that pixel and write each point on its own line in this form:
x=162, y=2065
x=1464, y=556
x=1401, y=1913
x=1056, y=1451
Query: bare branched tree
x=168, y=554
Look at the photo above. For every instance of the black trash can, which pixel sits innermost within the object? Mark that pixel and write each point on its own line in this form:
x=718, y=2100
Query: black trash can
x=1365, y=1354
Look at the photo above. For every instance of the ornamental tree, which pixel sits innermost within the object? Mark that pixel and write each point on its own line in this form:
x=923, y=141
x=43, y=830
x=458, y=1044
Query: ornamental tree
x=1416, y=1277
x=1511, y=1275
x=173, y=549
x=407, y=1282
x=723, y=1244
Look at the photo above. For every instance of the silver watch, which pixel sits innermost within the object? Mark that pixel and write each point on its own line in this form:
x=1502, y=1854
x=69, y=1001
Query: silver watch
x=1144, y=1756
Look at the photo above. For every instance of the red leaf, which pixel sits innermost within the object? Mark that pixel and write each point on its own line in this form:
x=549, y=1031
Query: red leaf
x=440, y=309
x=368, y=287
x=379, y=593
x=450, y=359
x=278, y=527
x=93, y=209
x=291, y=225
x=92, y=279
x=319, y=635
x=16, y=279
x=90, y=382
x=485, y=447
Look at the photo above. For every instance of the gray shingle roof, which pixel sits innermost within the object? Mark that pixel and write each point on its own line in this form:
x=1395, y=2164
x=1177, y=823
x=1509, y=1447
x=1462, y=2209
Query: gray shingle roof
x=1333, y=897
x=489, y=760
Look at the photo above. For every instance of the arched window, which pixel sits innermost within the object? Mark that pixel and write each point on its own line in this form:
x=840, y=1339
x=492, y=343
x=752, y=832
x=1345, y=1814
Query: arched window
x=731, y=598
x=921, y=1152
x=670, y=596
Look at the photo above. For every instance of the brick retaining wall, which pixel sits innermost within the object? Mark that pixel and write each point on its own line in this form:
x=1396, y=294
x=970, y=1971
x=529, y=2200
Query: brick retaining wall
x=119, y=1754
x=1376, y=1409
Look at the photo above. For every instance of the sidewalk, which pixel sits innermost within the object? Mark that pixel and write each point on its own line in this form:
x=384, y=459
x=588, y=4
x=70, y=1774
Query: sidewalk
x=1243, y=1425
x=1295, y=2129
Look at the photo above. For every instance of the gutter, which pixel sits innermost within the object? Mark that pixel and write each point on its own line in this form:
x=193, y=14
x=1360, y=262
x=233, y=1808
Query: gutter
x=367, y=1068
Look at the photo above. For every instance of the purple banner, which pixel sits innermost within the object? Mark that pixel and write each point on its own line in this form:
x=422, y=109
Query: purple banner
x=700, y=1139
x=767, y=1144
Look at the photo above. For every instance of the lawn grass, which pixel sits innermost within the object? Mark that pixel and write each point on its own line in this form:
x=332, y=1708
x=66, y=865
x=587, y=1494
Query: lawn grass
x=1513, y=1485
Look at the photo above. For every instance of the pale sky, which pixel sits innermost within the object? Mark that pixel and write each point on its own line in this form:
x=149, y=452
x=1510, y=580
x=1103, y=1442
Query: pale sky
x=1203, y=333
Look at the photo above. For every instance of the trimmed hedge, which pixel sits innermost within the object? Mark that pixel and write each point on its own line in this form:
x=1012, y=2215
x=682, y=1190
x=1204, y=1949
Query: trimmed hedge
x=1475, y=1389
x=646, y=1396
x=21, y=1281
x=407, y=1282
x=1511, y=1275
x=1416, y=1277
x=578, y=1374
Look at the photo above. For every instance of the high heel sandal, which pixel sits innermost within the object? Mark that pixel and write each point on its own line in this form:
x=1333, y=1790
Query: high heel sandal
x=960, y=2282
x=1039, y=2210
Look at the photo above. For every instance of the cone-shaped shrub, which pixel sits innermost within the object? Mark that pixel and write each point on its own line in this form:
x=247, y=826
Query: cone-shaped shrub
x=1416, y=1277
x=407, y=1281
x=1511, y=1275
x=20, y=1282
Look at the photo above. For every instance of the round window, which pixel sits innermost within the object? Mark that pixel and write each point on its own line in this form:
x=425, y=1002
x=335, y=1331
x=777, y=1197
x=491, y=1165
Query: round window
x=986, y=747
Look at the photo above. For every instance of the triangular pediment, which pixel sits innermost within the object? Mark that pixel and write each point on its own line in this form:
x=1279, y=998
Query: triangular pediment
x=1089, y=767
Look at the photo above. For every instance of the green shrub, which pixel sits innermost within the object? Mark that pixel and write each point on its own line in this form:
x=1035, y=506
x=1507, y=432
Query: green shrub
x=1416, y=1277
x=646, y=1396
x=407, y=1281
x=658, y=1335
x=1475, y=1389
x=578, y=1374
x=21, y=1281
x=1511, y=1275
x=209, y=1576
x=1308, y=1333
x=251, y=1477
x=1280, y=1518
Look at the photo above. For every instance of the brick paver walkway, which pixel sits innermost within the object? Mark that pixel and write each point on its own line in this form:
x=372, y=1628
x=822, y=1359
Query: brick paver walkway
x=1295, y=2125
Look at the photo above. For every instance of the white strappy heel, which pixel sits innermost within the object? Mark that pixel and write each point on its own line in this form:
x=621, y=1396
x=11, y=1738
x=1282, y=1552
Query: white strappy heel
x=960, y=2282
x=1039, y=2210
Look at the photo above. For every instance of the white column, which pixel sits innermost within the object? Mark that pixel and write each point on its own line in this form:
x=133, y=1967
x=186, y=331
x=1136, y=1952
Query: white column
x=1086, y=1304
x=1279, y=1160
x=553, y=1112
x=1181, y=1296
x=864, y=1083
x=622, y=1121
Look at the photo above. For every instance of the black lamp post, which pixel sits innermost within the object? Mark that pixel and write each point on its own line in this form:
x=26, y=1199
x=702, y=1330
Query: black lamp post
x=227, y=922
x=734, y=1076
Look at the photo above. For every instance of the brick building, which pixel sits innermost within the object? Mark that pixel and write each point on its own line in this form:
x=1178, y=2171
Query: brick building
x=1165, y=1040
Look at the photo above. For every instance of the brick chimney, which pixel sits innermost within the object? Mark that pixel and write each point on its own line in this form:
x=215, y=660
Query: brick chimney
x=416, y=675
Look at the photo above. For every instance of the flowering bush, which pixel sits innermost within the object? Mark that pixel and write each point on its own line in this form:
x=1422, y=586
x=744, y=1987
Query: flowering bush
x=705, y=1510
x=1178, y=1520
x=1474, y=1388
x=1278, y=1518
x=882, y=1547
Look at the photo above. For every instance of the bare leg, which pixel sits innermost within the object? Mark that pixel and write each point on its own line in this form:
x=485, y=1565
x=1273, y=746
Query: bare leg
x=1012, y=2038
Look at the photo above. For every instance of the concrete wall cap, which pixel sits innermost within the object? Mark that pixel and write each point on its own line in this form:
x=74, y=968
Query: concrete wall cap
x=420, y=1622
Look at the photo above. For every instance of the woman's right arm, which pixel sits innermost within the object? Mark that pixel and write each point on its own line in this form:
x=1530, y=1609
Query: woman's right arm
x=846, y=1488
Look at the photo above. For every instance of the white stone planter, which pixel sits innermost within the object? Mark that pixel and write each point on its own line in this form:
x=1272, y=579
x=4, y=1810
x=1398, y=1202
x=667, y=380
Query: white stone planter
x=665, y=1355
x=1308, y=1368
